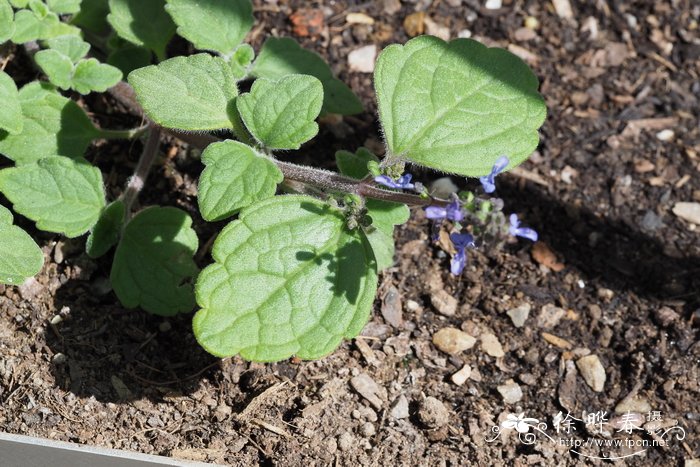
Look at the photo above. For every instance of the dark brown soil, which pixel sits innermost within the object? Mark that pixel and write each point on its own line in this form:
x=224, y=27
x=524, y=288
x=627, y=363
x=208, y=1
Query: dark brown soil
x=76, y=366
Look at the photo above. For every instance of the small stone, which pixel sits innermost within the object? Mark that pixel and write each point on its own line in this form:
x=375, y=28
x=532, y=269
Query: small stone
x=412, y=305
x=519, y=314
x=688, y=211
x=59, y=359
x=414, y=24
x=444, y=303
x=605, y=294
x=391, y=7
x=634, y=404
x=490, y=345
x=346, y=441
x=651, y=221
x=550, y=316
x=665, y=135
x=362, y=59
x=692, y=463
x=493, y=4
x=367, y=388
x=665, y=316
x=30, y=289
x=392, y=308
x=453, y=341
x=557, y=341
x=462, y=375
x=165, y=326
x=399, y=408
x=367, y=430
x=510, y=392
x=592, y=371
x=432, y=413
x=359, y=18
x=531, y=22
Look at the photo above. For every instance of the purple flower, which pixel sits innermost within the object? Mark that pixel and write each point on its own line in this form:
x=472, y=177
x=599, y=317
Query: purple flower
x=517, y=231
x=403, y=183
x=487, y=181
x=461, y=242
x=453, y=211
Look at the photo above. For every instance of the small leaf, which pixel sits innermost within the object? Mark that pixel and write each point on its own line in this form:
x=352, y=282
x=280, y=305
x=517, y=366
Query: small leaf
x=57, y=67
x=105, y=233
x=385, y=215
x=457, y=106
x=52, y=125
x=130, y=57
x=19, y=3
x=93, y=16
x=7, y=23
x=91, y=75
x=280, y=114
x=218, y=25
x=29, y=26
x=64, y=7
x=204, y=86
x=142, y=22
x=20, y=256
x=289, y=278
x=280, y=57
x=241, y=60
x=72, y=47
x=60, y=194
x=11, y=110
x=235, y=177
x=153, y=266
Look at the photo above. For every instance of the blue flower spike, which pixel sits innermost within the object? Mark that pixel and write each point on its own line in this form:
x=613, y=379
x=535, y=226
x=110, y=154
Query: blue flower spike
x=403, y=183
x=461, y=242
x=488, y=181
x=453, y=211
x=517, y=231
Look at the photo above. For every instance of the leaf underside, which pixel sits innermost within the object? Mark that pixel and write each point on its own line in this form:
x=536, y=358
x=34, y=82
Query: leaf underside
x=20, y=257
x=289, y=279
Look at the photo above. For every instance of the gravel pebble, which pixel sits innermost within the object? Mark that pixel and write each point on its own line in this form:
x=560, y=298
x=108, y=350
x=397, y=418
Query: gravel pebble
x=634, y=404
x=367, y=388
x=399, y=408
x=444, y=303
x=362, y=59
x=452, y=340
x=462, y=375
x=346, y=441
x=519, y=314
x=510, y=391
x=592, y=371
x=550, y=316
x=490, y=345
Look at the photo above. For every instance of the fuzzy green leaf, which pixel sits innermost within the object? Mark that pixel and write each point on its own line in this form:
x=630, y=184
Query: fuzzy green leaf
x=457, y=106
x=241, y=60
x=385, y=215
x=218, y=25
x=64, y=7
x=235, y=177
x=72, y=47
x=130, y=57
x=7, y=21
x=204, y=85
x=289, y=278
x=11, y=110
x=142, y=22
x=91, y=75
x=60, y=194
x=57, y=67
x=280, y=57
x=19, y=3
x=105, y=233
x=20, y=256
x=153, y=266
x=52, y=125
x=280, y=114
x=30, y=26
x=93, y=16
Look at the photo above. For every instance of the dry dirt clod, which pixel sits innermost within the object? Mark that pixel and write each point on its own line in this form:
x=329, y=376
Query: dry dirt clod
x=634, y=404
x=414, y=24
x=490, y=345
x=346, y=441
x=519, y=314
x=432, y=413
x=592, y=372
x=444, y=303
x=453, y=341
x=510, y=392
x=367, y=388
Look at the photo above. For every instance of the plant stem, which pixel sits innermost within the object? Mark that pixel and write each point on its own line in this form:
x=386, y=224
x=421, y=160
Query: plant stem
x=138, y=180
x=324, y=179
x=122, y=134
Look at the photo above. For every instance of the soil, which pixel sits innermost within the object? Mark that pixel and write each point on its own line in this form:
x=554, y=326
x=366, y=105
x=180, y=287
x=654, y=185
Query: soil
x=616, y=275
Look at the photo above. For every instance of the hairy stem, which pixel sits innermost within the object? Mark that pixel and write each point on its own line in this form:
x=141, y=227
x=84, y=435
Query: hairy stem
x=326, y=180
x=123, y=134
x=143, y=167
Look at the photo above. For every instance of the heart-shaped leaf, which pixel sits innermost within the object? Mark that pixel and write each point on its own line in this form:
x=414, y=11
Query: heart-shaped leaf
x=72, y=47
x=153, y=266
x=142, y=22
x=64, y=7
x=20, y=257
x=235, y=177
x=105, y=233
x=280, y=57
x=91, y=75
x=52, y=125
x=60, y=194
x=289, y=279
x=218, y=25
x=11, y=110
x=30, y=26
x=204, y=86
x=57, y=67
x=457, y=106
x=280, y=114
